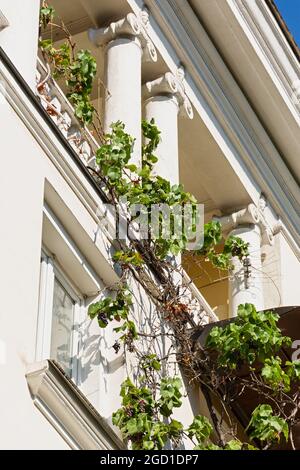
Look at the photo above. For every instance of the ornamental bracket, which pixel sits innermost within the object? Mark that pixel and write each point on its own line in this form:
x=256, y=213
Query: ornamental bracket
x=132, y=26
x=249, y=215
x=171, y=84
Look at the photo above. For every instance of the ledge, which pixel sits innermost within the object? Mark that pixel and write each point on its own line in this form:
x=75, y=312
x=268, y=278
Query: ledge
x=67, y=409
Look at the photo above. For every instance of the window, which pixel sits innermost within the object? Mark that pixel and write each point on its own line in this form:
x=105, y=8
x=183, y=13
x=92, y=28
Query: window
x=62, y=325
x=59, y=318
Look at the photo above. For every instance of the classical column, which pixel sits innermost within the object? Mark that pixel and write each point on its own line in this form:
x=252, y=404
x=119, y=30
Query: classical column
x=246, y=279
x=165, y=98
x=126, y=43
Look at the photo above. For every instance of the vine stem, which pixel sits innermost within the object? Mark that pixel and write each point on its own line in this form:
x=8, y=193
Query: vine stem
x=214, y=417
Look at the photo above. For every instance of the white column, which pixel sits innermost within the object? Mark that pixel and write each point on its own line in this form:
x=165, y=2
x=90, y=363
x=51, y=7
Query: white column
x=165, y=98
x=123, y=82
x=245, y=282
x=126, y=42
x=164, y=110
x=246, y=279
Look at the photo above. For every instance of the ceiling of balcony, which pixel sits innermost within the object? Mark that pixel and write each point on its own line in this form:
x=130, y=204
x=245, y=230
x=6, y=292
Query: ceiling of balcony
x=205, y=171
x=79, y=15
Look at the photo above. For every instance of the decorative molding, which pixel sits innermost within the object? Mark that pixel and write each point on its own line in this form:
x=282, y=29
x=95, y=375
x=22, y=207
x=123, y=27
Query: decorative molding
x=250, y=215
x=271, y=41
x=170, y=84
x=3, y=21
x=296, y=94
x=67, y=409
x=132, y=26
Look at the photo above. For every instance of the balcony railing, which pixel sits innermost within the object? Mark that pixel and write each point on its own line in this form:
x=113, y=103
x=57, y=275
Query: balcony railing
x=62, y=113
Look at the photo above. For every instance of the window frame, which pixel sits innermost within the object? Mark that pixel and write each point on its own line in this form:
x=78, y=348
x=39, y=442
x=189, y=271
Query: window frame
x=49, y=270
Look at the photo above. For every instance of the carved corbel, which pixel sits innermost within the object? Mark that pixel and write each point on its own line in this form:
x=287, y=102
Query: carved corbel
x=250, y=215
x=132, y=26
x=171, y=84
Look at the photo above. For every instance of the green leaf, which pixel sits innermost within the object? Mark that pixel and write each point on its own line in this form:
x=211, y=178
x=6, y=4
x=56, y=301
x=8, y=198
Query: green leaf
x=94, y=309
x=200, y=428
x=274, y=375
x=148, y=445
x=132, y=168
x=234, y=445
x=266, y=426
x=251, y=336
x=156, y=365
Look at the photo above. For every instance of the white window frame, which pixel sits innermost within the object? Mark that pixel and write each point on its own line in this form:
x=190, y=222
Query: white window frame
x=49, y=271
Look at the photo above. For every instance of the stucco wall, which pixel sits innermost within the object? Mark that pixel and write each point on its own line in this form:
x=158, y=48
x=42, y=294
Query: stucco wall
x=21, y=187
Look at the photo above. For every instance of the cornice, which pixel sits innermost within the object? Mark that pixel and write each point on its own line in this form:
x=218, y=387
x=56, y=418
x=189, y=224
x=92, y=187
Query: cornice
x=272, y=44
x=284, y=28
x=67, y=409
x=250, y=215
x=171, y=84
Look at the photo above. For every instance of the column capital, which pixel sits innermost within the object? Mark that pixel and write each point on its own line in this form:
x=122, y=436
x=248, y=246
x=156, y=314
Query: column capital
x=249, y=215
x=132, y=26
x=171, y=84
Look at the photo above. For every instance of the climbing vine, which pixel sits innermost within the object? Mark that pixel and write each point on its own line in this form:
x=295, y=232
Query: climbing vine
x=252, y=340
x=77, y=68
x=154, y=393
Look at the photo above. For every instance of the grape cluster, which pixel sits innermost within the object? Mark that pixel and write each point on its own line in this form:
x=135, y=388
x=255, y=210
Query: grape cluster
x=129, y=411
x=116, y=347
x=103, y=318
x=142, y=406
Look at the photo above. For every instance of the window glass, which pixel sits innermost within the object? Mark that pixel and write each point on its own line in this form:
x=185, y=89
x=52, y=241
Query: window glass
x=62, y=327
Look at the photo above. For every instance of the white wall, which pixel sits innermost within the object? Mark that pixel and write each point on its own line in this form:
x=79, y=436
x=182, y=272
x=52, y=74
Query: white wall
x=271, y=274
x=290, y=274
x=21, y=202
x=24, y=170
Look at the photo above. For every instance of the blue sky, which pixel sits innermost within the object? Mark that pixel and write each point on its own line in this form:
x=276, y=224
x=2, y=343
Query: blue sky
x=290, y=11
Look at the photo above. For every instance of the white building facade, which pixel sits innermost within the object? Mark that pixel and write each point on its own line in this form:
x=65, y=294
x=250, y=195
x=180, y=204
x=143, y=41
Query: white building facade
x=221, y=80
